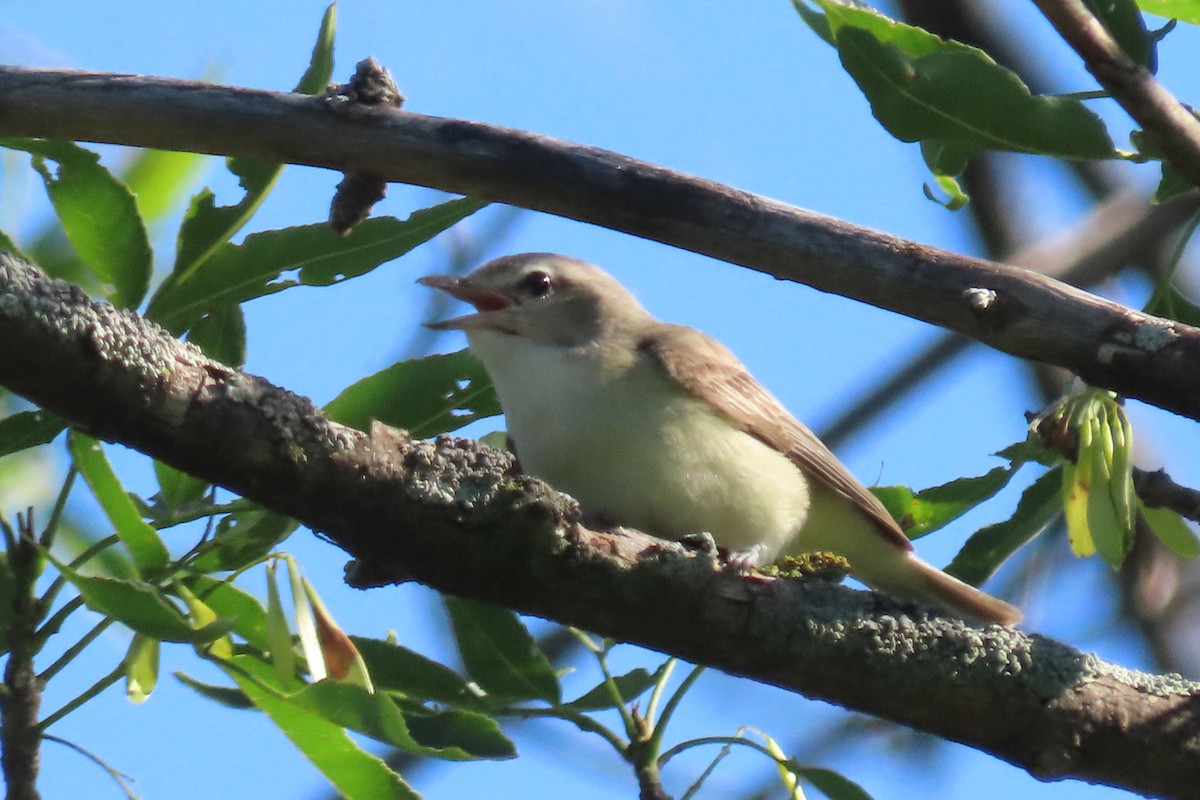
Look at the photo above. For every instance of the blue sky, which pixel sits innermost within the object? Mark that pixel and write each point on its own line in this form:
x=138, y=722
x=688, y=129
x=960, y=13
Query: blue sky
x=741, y=93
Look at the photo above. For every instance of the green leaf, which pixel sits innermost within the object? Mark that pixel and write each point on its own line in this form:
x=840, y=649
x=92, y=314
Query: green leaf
x=141, y=668
x=1182, y=10
x=279, y=635
x=1172, y=531
x=499, y=654
x=814, y=20
x=990, y=546
x=98, y=214
x=221, y=334
x=458, y=730
x=631, y=685
x=206, y=226
x=178, y=488
x=158, y=179
x=1172, y=305
x=832, y=784
x=237, y=273
x=229, y=602
x=231, y=698
x=937, y=506
x=355, y=773
x=425, y=396
x=376, y=715
x=397, y=669
x=953, y=98
x=956, y=197
x=27, y=429
x=315, y=79
x=1033, y=450
x=141, y=606
x=243, y=538
x=1124, y=21
x=147, y=549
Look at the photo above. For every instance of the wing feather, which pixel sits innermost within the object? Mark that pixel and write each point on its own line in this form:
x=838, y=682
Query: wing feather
x=709, y=371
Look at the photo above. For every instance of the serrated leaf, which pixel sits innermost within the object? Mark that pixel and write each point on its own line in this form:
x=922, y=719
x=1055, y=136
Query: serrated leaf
x=832, y=784
x=954, y=98
x=425, y=396
x=148, y=550
x=177, y=488
x=631, y=685
x=1172, y=531
x=937, y=506
x=221, y=334
x=1182, y=10
x=395, y=668
x=990, y=546
x=226, y=696
x=499, y=654
x=141, y=668
x=236, y=273
x=355, y=773
x=98, y=215
x=27, y=429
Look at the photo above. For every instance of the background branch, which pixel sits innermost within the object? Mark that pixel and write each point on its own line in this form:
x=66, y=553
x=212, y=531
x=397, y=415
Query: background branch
x=1011, y=309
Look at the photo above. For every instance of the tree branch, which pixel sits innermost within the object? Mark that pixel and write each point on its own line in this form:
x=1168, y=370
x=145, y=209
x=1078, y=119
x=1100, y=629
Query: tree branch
x=458, y=517
x=1173, y=127
x=1011, y=309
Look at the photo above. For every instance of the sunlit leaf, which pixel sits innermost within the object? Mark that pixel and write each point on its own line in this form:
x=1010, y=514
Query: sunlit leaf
x=341, y=657
x=279, y=634
x=954, y=98
x=159, y=178
x=499, y=654
x=141, y=668
x=143, y=607
x=1182, y=10
x=937, y=506
x=230, y=602
x=143, y=541
x=236, y=273
x=425, y=396
x=98, y=214
x=177, y=488
x=355, y=773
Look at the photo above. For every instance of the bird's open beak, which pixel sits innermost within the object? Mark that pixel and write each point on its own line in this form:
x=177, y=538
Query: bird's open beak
x=487, y=303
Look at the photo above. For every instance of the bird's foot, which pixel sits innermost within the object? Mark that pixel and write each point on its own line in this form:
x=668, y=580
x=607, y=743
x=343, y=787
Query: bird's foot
x=745, y=561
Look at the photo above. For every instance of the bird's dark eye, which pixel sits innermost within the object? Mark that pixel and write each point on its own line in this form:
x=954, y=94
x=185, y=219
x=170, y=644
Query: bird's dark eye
x=537, y=284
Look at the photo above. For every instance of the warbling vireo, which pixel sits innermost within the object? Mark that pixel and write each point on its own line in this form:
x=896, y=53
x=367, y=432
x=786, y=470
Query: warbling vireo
x=661, y=428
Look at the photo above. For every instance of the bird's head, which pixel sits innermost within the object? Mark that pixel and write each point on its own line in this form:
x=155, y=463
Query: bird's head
x=542, y=297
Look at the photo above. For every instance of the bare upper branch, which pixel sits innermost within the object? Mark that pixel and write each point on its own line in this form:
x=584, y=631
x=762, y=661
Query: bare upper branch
x=1011, y=309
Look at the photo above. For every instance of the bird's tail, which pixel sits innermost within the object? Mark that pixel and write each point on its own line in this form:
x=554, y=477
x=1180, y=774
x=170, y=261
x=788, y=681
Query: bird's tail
x=913, y=578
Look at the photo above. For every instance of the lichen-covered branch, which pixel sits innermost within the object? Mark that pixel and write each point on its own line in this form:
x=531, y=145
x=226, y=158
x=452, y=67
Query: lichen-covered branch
x=1011, y=309
x=458, y=517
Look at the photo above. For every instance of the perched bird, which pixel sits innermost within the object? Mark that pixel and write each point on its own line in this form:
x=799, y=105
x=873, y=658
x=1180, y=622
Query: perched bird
x=661, y=428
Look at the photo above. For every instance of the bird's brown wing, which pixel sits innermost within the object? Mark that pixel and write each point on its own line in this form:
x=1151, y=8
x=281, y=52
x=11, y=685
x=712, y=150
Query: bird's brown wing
x=709, y=371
